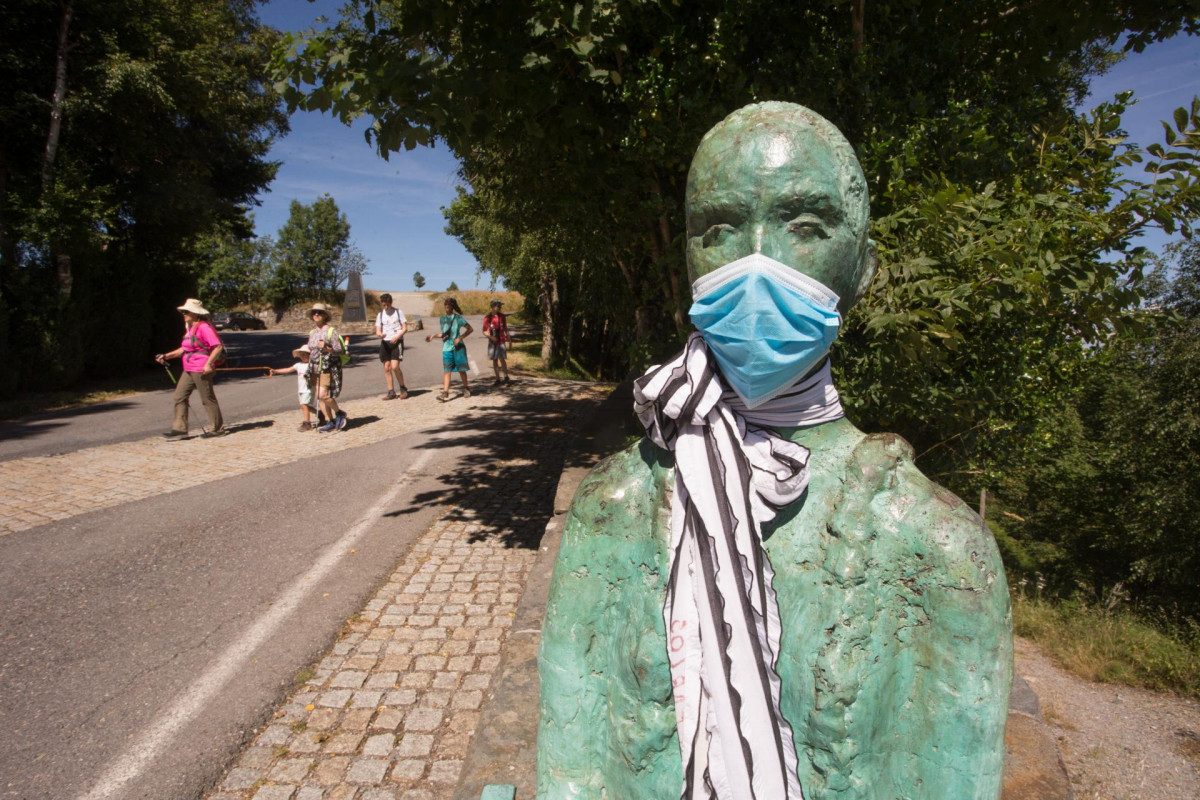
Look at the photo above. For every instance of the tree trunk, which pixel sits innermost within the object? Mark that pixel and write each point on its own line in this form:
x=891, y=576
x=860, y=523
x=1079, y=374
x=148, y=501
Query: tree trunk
x=62, y=259
x=548, y=299
x=856, y=24
x=56, y=100
x=660, y=240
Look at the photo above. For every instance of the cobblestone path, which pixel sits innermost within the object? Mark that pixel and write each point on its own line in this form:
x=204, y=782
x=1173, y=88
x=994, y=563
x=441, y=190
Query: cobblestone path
x=389, y=712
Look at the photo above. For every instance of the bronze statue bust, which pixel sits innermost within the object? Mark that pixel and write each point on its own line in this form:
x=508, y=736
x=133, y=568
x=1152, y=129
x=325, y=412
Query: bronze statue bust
x=895, y=658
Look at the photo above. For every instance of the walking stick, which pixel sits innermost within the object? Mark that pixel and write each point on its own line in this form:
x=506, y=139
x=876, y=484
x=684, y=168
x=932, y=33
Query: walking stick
x=170, y=374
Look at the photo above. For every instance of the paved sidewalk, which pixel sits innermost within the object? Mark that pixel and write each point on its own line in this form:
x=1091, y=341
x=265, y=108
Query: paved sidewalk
x=42, y=489
x=390, y=711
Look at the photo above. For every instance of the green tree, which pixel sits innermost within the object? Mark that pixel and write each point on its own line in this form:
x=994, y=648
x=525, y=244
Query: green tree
x=310, y=252
x=238, y=271
x=418, y=280
x=575, y=122
x=453, y=287
x=130, y=130
x=1110, y=500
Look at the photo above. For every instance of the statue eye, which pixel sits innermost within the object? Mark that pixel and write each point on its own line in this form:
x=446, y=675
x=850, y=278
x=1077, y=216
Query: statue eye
x=808, y=226
x=716, y=234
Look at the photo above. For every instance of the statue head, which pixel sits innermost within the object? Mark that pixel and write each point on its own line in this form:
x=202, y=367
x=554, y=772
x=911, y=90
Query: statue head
x=781, y=180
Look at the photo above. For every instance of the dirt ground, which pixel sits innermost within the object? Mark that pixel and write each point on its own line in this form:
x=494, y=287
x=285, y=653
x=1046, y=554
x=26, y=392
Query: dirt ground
x=1117, y=743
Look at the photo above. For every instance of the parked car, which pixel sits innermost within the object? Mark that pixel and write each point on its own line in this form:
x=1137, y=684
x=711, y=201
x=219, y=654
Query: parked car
x=237, y=321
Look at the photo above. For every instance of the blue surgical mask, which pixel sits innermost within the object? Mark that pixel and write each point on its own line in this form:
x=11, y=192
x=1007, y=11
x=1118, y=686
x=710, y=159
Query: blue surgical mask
x=765, y=323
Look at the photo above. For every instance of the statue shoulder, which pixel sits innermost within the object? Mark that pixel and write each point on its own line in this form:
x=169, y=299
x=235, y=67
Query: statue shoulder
x=925, y=517
x=625, y=493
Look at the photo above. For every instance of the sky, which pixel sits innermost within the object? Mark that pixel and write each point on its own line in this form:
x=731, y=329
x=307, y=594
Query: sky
x=394, y=207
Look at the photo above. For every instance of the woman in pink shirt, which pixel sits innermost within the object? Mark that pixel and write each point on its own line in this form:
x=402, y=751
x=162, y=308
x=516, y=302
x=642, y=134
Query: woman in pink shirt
x=200, y=350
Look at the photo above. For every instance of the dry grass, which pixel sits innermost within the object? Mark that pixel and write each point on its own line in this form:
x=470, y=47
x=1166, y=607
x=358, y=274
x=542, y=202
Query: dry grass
x=1112, y=646
x=476, y=302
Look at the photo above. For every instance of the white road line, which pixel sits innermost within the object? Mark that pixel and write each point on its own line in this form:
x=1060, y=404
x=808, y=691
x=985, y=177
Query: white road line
x=147, y=746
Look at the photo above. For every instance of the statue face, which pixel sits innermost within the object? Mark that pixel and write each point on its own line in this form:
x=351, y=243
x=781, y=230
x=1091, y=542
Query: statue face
x=771, y=185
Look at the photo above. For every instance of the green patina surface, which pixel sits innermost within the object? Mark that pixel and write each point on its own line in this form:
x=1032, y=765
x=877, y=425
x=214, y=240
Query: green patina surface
x=896, y=659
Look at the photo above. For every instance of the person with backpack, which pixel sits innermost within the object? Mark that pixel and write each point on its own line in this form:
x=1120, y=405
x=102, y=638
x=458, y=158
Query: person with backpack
x=495, y=328
x=327, y=353
x=454, y=328
x=201, y=352
x=390, y=327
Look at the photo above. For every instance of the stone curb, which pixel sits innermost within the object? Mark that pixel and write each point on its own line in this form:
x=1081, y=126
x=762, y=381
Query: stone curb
x=503, y=749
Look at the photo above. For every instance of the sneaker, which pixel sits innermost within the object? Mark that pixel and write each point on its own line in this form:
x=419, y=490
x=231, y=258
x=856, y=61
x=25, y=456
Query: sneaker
x=327, y=427
x=507, y=380
x=390, y=395
x=443, y=397
x=341, y=421
x=466, y=393
x=499, y=382
x=403, y=392
x=306, y=426
x=214, y=434
x=175, y=436
x=321, y=418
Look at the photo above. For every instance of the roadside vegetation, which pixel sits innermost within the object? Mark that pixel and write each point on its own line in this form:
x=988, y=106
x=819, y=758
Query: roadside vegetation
x=1113, y=645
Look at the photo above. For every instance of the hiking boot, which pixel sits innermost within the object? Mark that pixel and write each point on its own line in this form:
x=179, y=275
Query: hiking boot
x=214, y=434
x=341, y=422
x=175, y=436
x=305, y=426
x=466, y=392
x=507, y=380
x=321, y=418
x=499, y=382
x=390, y=395
x=443, y=397
x=327, y=427
x=403, y=392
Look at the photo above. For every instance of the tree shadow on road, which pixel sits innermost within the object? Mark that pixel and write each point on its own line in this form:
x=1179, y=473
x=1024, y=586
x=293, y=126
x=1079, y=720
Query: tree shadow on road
x=45, y=422
x=505, y=487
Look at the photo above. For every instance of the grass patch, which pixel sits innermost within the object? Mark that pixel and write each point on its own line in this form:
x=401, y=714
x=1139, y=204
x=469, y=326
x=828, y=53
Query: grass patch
x=527, y=357
x=1113, y=646
x=88, y=393
x=476, y=302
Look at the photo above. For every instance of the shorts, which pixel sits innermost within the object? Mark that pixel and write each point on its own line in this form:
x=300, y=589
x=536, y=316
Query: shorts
x=324, y=379
x=391, y=351
x=306, y=398
x=455, y=360
x=496, y=352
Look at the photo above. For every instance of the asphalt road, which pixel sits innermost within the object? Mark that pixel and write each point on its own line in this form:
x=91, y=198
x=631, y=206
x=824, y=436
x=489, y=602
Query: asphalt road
x=242, y=394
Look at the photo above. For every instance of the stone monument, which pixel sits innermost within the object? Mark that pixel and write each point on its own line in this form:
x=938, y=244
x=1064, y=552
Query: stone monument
x=881, y=662
x=354, y=308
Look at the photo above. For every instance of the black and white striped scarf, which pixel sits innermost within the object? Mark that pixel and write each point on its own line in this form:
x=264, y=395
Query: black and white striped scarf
x=732, y=474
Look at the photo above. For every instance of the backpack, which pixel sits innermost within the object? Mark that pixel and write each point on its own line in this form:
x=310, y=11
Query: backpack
x=344, y=356
x=220, y=362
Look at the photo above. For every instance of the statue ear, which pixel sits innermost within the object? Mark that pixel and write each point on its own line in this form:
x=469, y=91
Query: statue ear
x=866, y=271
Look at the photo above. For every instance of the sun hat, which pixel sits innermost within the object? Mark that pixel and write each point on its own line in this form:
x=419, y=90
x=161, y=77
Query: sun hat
x=302, y=349
x=192, y=306
x=324, y=309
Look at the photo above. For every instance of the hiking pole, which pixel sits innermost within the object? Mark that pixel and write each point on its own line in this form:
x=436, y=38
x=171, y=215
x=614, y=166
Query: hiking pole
x=169, y=373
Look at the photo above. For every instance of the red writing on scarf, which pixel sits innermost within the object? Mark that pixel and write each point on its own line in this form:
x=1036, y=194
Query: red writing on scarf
x=676, y=647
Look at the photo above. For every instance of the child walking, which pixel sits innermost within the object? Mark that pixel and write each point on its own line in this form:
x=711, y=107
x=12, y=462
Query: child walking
x=495, y=328
x=303, y=372
x=454, y=353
